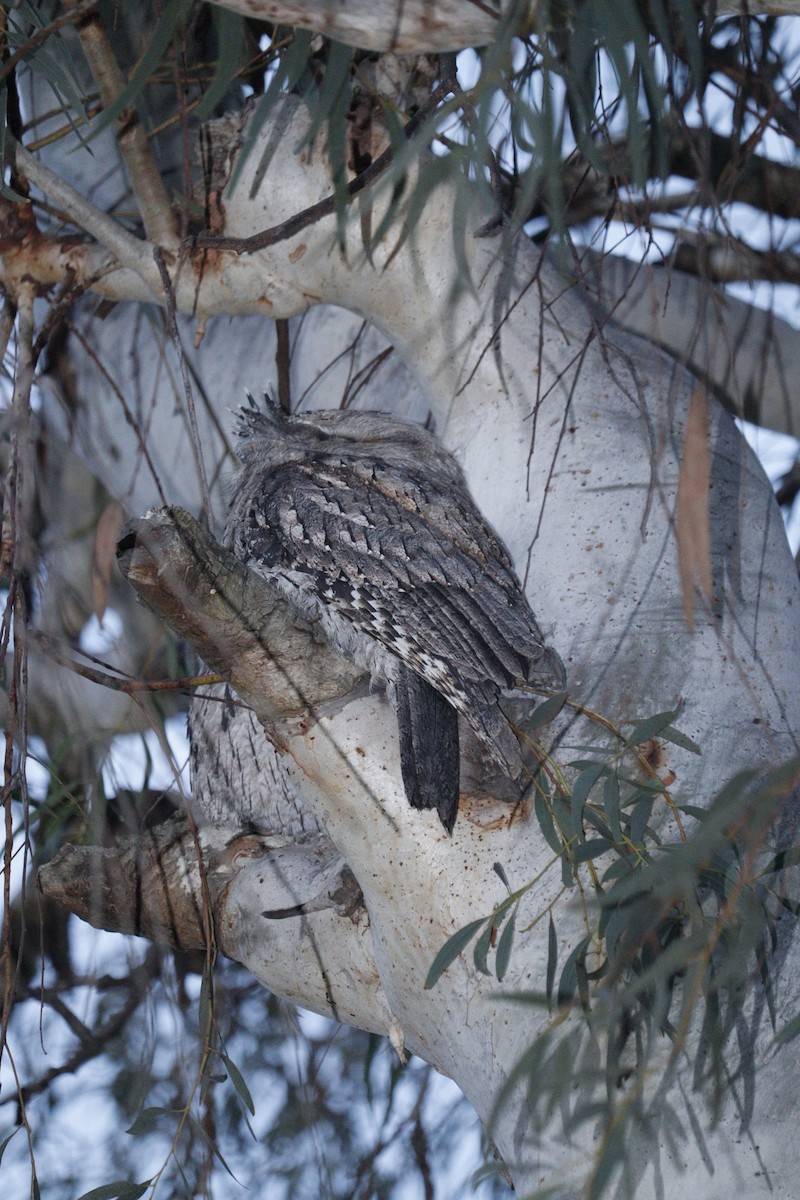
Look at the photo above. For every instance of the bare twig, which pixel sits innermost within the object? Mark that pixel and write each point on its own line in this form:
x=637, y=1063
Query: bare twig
x=172, y=321
x=143, y=175
x=118, y=683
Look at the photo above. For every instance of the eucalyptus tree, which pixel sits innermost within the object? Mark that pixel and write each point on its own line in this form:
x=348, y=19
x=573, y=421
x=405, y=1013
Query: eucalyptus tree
x=207, y=204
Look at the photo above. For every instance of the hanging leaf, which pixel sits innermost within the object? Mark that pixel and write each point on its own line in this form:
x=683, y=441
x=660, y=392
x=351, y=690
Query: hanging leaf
x=104, y=555
x=670, y=734
x=568, y=982
x=546, y=712
x=480, y=953
x=504, y=946
x=289, y=68
x=237, y=1079
x=498, y=870
x=148, y=1119
x=546, y=824
x=451, y=950
x=230, y=30
x=651, y=727
x=552, y=961
x=580, y=794
x=116, y=1191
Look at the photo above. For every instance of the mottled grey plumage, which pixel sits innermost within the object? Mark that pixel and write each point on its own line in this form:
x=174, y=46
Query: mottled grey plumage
x=365, y=523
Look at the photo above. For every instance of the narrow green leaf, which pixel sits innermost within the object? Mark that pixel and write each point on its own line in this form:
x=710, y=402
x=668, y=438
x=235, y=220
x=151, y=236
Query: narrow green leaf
x=568, y=982
x=651, y=727
x=503, y=956
x=619, y=869
x=611, y=805
x=694, y=810
x=498, y=870
x=766, y=983
x=237, y=1079
x=639, y=818
x=5, y=1141
x=206, y=1005
x=451, y=950
x=789, y=857
x=591, y=849
x=124, y=1190
x=533, y=999
x=612, y=1154
x=291, y=65
x=552, y=961
x=147, y=1120
x=546, y=825
x=580, y=794
x=480, y=952
x=789, y=1031
x=230, y=37
x=546, y=712
x=374, y=1046
x=692, y=40
x=212, y=1145
x=670, y=734
x=591, y=817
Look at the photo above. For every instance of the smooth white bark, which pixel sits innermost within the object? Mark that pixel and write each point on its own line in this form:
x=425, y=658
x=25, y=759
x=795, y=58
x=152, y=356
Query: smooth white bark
x=571, y=444
x=408, y=26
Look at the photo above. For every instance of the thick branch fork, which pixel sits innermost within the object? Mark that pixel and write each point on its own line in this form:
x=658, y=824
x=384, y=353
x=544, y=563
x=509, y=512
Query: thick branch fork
x=287, y=913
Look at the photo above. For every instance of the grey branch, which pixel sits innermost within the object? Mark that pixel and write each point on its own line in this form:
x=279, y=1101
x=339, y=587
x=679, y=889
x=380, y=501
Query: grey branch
x=231, y=617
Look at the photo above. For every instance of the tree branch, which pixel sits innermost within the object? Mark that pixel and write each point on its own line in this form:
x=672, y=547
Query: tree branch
x=292, y=914
x=143, y=175
x=132, y=252
x=232, y=618
x=417, y=26
x=743, y=354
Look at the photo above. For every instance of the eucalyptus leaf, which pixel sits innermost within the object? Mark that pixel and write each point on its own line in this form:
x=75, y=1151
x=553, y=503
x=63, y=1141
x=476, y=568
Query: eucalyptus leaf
x=503, y=956
x=237, y=1079
x=546, y=712
x=230, y=30
x=480, y=951
x=651, y=727
x=580, y=794
x=451, y=950
x=124, y=1190
x=552, y=960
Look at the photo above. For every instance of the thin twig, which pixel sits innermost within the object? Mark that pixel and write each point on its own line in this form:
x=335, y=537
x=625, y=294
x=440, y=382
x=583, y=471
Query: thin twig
x=118, y=683
x=143, y=174
x=172, y=321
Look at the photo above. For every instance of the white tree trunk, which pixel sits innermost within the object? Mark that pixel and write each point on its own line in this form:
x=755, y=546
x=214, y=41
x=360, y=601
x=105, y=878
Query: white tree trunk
x=571, y=444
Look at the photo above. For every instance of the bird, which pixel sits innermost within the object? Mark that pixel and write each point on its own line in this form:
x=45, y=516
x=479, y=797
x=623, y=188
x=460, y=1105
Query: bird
x=365, y=523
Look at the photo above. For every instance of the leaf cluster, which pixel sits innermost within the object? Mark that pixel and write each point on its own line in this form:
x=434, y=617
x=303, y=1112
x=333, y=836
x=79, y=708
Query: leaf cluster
x=677, y=934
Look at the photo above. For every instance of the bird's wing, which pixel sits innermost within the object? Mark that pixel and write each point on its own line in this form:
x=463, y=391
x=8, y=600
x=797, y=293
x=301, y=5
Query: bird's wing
x=440, y=576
